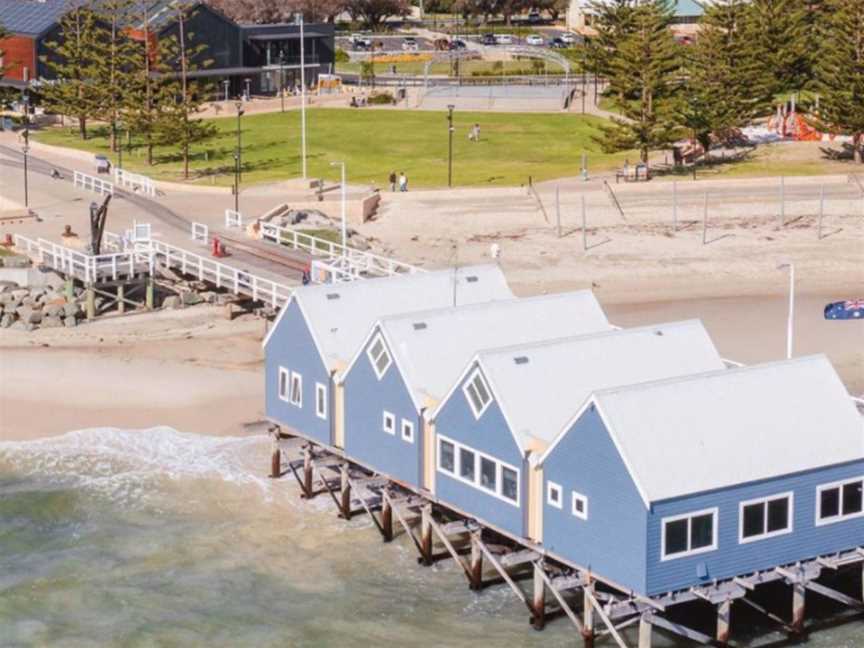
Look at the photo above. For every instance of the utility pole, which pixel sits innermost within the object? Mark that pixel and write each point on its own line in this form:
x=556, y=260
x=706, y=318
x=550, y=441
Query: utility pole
x=790, y=321
x=237, y=158
x=302, y=93
x=450, y=108
x=282, y=78
x=344, y=208
x=26, y=147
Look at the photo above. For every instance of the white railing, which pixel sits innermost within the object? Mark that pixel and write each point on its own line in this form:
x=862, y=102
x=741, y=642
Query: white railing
x=200, y=233
x=83, y=266
x=135, y=181
x=233, y=219
x=352, y=262
x=92, y=183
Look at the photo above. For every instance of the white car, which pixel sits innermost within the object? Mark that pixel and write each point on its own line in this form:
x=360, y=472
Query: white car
x=504, y=39
x=568, y=37
x=534, y=39
x=409, y=44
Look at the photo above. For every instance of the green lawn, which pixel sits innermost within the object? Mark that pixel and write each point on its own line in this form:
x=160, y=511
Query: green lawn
x=375, y=142
x=467, y=68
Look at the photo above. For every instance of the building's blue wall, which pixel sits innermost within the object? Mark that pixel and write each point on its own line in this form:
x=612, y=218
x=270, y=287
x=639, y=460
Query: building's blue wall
x=731, y=558
x=612, y=540
x=291, y=346
x=366, y=398
x=490, y=435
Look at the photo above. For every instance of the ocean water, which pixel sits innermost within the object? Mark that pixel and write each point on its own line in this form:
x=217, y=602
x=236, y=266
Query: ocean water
x=158, y=538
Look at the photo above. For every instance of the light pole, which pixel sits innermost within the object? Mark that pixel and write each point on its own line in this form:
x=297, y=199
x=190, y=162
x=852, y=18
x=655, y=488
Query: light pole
x=790, y=323
x=119, y=140
x=237, y=158
x=450, y=108
x=344, y=208
x=226, y=83
x=26, y=147
x=299, y=20
x=282, y=78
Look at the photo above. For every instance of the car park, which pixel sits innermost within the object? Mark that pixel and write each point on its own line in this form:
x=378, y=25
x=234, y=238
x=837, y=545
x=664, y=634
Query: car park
x=534, y=39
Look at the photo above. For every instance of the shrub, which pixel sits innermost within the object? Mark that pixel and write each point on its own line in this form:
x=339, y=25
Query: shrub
x=381, y=99
x=342, y=55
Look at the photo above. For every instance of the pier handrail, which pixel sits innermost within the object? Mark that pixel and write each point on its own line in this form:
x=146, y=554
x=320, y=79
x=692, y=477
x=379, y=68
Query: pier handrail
x=135, y=181
x=92, y=183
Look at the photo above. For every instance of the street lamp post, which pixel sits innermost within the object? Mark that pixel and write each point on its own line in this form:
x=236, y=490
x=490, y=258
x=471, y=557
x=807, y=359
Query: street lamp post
x=227, y=84
x=450, y=108
x=299, y=20
x=344, y=208
x=26, y=147
x=119, y=140
x=248, y=88
x=282, y=78
x=237, y=159
x=790, y=322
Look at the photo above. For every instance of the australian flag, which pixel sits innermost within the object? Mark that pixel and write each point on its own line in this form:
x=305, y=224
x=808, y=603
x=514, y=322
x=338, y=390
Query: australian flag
x=851, y=309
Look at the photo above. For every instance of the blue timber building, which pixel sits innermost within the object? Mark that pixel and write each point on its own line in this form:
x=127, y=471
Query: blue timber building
x=667, y=485
x=408, y=363
x=529, y=393
x=321, y=327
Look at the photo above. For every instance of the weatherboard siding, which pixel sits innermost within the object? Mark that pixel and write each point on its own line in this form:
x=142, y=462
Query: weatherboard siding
x=612, y=540
x=732, y=558
x=291, y=346
x=366, y=398
x=490, y=435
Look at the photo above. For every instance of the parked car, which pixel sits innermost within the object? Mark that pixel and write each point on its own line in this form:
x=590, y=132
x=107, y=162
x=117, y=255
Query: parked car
x=103, y=164
x=568, y=37
x=360, y=42
x=503, y=39
x=558, y=43
x=457, y=44
x=534, y=39
x=534, y=17
x=409, y=44
x=489, y=39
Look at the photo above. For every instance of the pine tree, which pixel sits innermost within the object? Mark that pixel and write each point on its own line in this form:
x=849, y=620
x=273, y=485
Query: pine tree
x=840, y=73
x=3, y=34
x=778, y=37
x=613, y=21
x=643, y=72
x=72, y=62
x=724, y=88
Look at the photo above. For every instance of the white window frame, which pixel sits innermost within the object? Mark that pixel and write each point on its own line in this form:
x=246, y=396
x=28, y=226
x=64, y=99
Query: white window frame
x=579, y=497
x=839, y=517
x=406, y=424
x=299, y=378
x=391, y=418
x=384, y=351
x=321, y=399
x=552, y=486
x=475, y=375
x=790, y=517
x=715, y=514
x=499, y=471
x=284, y=379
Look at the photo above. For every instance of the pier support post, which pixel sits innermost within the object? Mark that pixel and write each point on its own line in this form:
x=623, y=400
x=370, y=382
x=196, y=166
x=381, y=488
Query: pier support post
x=538, y=620
x=307, y=472
x=275, y=458
x=426, y=535
x=645, y=629
x=121, y=295
x=69, y=289
x=90, y=302
x=344, y=493
x=476, y=562
x=588, y=615
x=149, y=295
x=724, y=620
x=798, y=596
x=386, y=518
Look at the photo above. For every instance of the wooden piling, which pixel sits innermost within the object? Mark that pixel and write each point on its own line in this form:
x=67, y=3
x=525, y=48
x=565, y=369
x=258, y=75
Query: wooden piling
x=426, y=536
x=724, y=620
x=799, y=592
x=538, y=619
x=644, y=633
x=344, y=493
x=90, y=302
x=476, y=562
x=149, y=299
x=121, y=294
x=386, y=518
x=307, y=472
x=275, y=458
x=588, y=614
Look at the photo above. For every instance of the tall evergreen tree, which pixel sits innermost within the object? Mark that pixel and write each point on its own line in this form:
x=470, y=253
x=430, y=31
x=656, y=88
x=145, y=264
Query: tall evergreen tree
x=777, y=33
x=840, y=72
x=3, y=34
x=643, y=71
x=613, y=21
x=73, y=62
x=725, y=86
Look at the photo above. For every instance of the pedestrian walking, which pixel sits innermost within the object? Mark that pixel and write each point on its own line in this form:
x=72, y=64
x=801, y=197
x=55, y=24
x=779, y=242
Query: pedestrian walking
x=392, y=180
x=476, y=132
x=403, y=181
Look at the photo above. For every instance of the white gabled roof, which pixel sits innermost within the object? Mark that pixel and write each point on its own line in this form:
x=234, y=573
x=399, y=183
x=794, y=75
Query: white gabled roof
x=720, y=429
x=431, y=348
x=541, y=386
x=339, y=315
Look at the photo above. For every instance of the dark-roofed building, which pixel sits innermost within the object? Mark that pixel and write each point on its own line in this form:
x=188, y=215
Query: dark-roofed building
x=28, y=22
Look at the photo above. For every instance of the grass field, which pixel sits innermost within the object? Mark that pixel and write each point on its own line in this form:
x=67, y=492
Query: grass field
x=467, y=68
x=375, y=142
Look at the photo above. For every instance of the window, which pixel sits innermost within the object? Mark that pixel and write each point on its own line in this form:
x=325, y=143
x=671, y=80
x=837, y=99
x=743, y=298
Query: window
x=446, y=456
x=378, y=356
x=296, y=389
x=840, y=501
x=478, y=470
x=580, y=506
x=389, y=423
x=466, y=464
x=477, y=393
x=689, y=534
x=321, y=401
x=407, y=431
x=489, y=474
x=284, y=379
x=765, y=518
x=553, y=494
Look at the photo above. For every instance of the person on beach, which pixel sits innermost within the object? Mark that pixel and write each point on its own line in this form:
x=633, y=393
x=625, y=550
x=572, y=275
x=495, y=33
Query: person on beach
x=474, y=133
x=392, y=180
x=403, y=181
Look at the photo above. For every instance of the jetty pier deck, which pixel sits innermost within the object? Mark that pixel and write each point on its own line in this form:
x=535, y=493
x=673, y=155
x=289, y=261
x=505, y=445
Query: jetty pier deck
x=549, y=586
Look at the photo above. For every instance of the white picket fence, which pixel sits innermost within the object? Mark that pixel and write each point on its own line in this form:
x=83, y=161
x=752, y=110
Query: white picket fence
x=233, y=219
x=92, y=183
x=136, y=182
x=200, y=233
x=83, y=266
